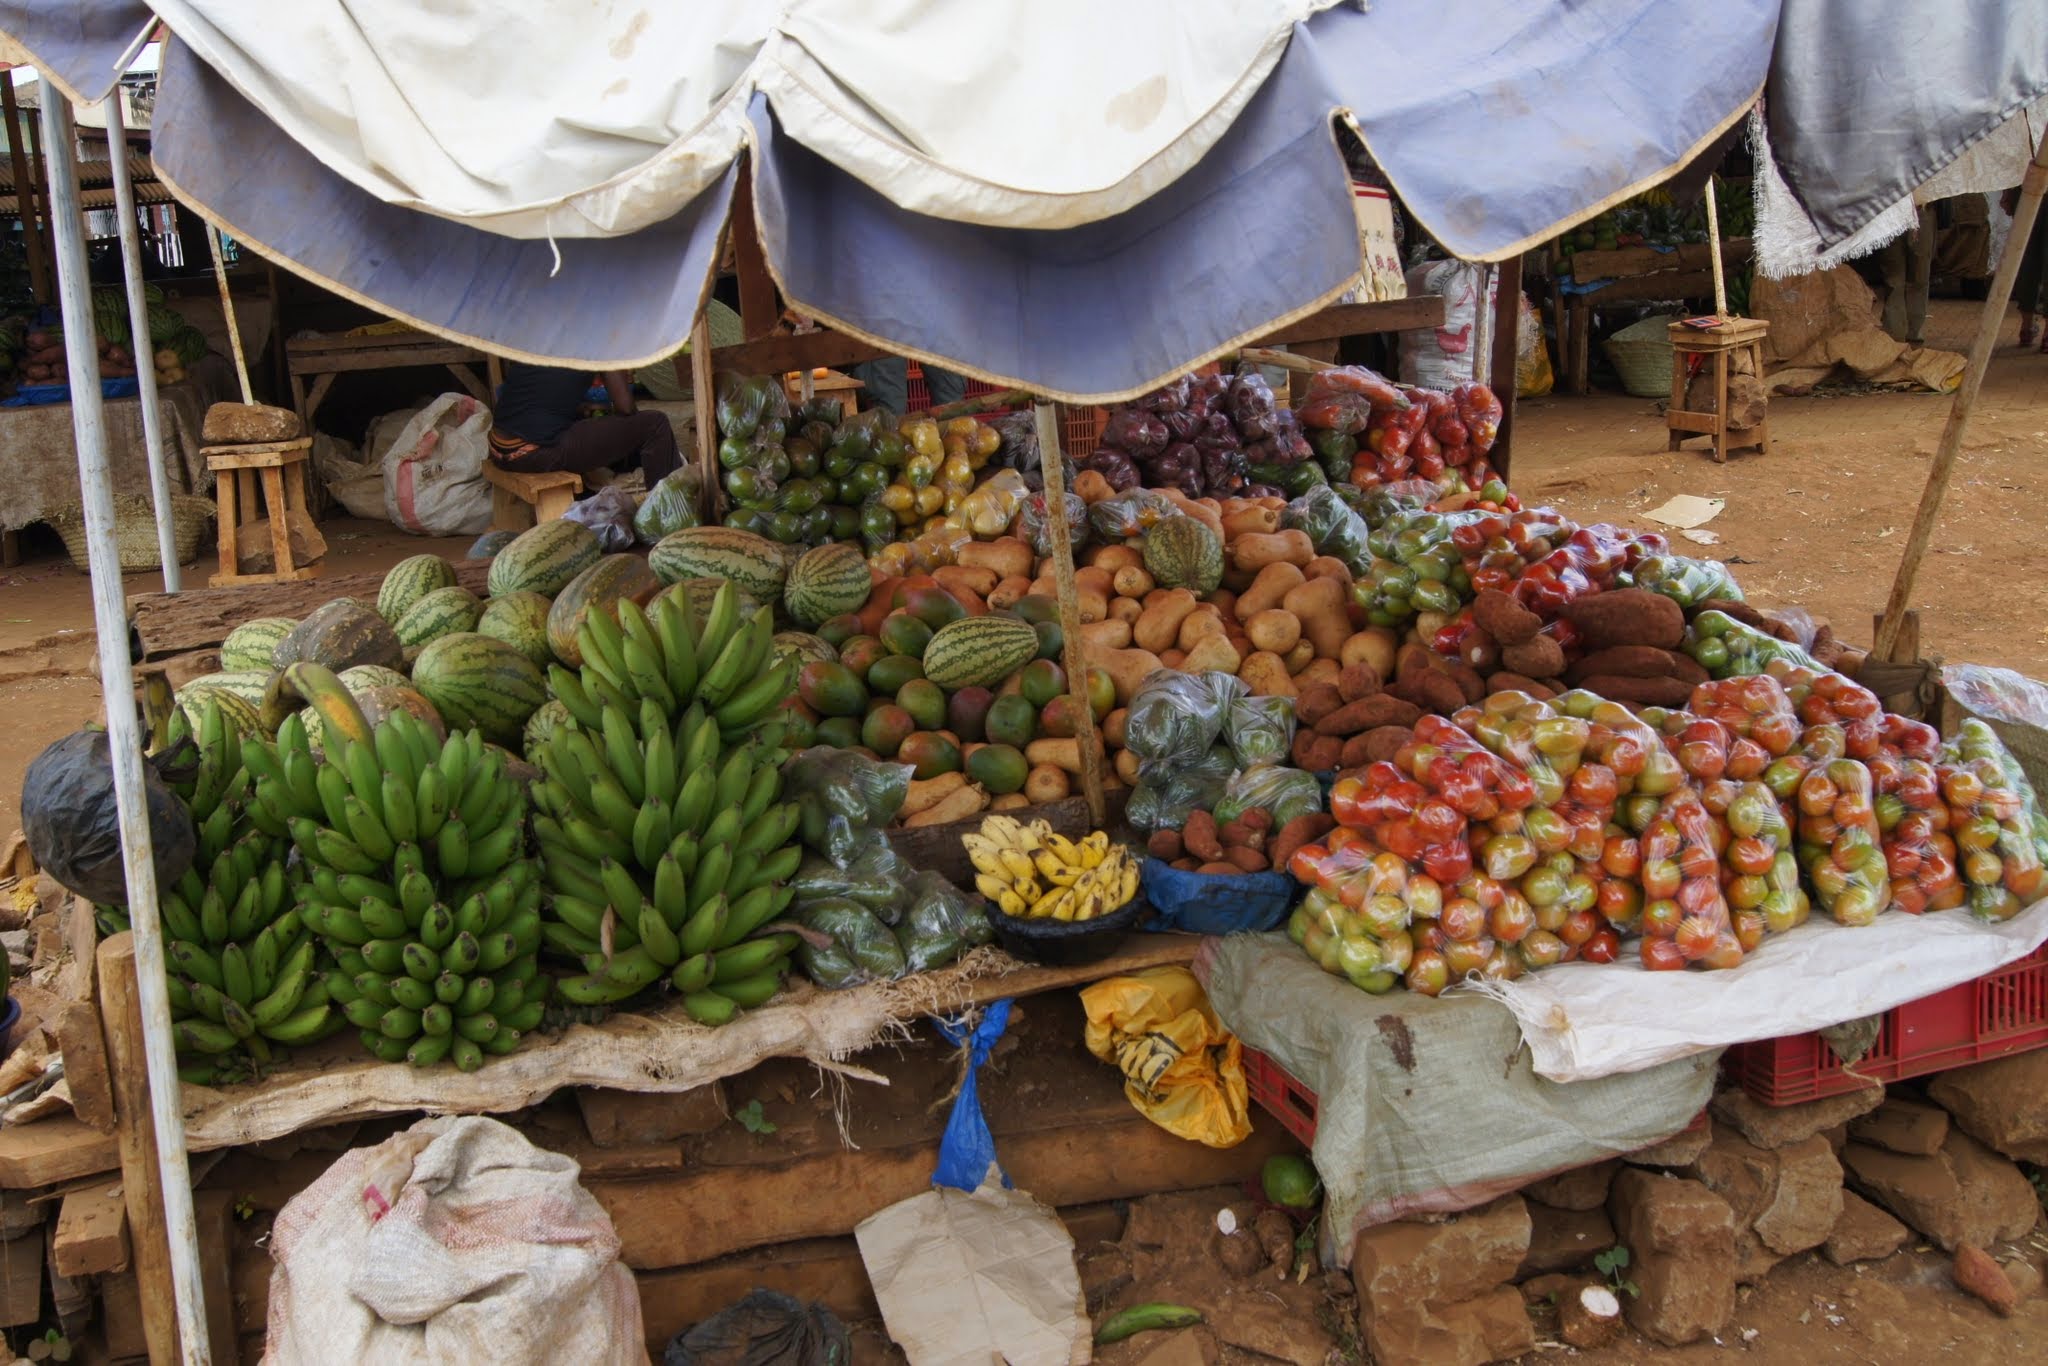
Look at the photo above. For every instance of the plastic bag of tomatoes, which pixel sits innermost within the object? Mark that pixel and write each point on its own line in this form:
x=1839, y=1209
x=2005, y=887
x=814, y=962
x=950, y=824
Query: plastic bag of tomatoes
x=1355, y=920
x=1762, y=885
x=1685, y=919
x=1913, y=825
x=1995, y=822
x=1841, y=846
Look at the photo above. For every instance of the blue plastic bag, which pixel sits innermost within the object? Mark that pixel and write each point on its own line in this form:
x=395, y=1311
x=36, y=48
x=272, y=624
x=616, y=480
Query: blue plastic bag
x=1211, y=903
x=967, y=1149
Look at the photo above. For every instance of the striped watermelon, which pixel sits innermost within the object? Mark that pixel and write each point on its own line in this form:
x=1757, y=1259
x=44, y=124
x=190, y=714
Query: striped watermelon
x=247, y=684
x=478, y=681
x=489, y=544
x=364, y=677
x=979, y=651
x=252, y=645
x=519, y=619
x=826, y=581
x=543, y=559
x=597, y=588
x=410, y=580
x=541, y=727
x=803, y=645
x=441, y=612
x=1182, y=553
x=242, y=715
x=754, y=563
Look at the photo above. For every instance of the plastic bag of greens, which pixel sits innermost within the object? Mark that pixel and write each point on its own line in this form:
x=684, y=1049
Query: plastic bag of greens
x=1687, y=582
x=1332, y=524
x=1260, y=729
x=843, y=797
x=1035, y=525
x=1167, y=794
x=747, y=401
x=1130, y=514
x=669, y=506
x=875, y=880
x=1286, y=792
x=1726, y=648
x=847, y=944
x=943, y=922
x=1175, y=717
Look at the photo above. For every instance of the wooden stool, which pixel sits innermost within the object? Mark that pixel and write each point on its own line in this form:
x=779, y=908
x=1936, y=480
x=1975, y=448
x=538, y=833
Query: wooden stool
x=519, y=501
x=282, y=467
x=1735, y=335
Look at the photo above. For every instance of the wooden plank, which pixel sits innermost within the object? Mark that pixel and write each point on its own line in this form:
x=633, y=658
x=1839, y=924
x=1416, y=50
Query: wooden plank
x=1350, y=320
x=141, y=1180
x=660, y=1222
x=58, y=1148
x=390, y=341
x=80, y=1040
x=1501, y=374
x=26, y=190
x=21, y=1280
x=386, y=358
x=1671, y=284
x=617, y=1119
x=214, y=1210
x=253, y=455
x=775, y=355
x=92, y=1232
x=759, y=312
x=1628, y=262
x=172, y=623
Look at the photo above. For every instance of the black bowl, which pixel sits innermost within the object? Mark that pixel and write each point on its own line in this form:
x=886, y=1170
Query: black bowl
x=1066, y=943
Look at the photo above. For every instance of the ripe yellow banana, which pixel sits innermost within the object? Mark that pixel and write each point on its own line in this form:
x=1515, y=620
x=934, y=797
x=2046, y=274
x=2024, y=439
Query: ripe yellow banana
x=1004, y=832
x=1017, y=865
x=992, y=886
x=1061, y=848
x=1055, y=870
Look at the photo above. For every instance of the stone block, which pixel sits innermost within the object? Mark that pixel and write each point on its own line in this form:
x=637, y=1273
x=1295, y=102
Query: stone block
x=1965, y=1193
x=1581, y=1188
x=1437, y=1293
x=1902, y=1126
x=1774, y=1126
x=1681, y=1240
x=2003, y=1102
x=1863, y=1233
x=247, y=424
x=1564, y=1239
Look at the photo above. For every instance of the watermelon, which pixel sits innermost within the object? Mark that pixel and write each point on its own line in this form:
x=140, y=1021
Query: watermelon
x=364, y=677
x=489, y=544
x=379, y=703
x=519, y=619
x=1182, y=553
x=475, y=680
x=247, y=684
x=543, y=559
x=542, y=725
x=340, y=635
x=802, y=646
x=243, y=716
x=979, y=651
x=441, y=612
x=825, y=582
x=599, y=587
x=410, y=580
x=251, y=645
x=754, y=563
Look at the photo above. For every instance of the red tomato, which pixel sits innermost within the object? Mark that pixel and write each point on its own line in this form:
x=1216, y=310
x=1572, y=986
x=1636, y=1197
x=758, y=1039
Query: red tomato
x=1603, y=947
x=1661, y=955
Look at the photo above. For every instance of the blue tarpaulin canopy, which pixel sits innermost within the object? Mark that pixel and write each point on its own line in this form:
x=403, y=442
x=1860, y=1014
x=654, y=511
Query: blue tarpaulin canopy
x=1077, y=199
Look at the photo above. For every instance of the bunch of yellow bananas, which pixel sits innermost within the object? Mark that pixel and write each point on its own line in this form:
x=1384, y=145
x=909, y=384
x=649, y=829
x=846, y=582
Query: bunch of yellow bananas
x=1033, y=872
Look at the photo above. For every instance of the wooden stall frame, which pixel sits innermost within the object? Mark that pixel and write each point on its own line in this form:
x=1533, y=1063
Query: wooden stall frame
x=1073, y=649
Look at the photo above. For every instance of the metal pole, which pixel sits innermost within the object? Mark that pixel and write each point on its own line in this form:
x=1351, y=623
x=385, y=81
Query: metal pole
x=227, y=313
x=124, y=737
x=138, y=337
x=1951, y=444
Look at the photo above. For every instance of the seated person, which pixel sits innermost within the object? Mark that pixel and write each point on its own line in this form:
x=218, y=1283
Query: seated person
x=535, y=427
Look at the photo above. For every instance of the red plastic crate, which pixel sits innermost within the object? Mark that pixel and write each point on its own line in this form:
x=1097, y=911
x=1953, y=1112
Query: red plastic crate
x=1280, y=1095
x=2002, y=1012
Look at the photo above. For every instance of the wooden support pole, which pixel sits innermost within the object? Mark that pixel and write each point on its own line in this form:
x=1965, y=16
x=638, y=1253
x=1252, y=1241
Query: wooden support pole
x=704, y=416
x=759, y=312
x=142, y=1187
x=227, y=312
x=1714, y=249
x=1951, y=445
x=26, y=194
x=1074, y=650
x=1504, y=364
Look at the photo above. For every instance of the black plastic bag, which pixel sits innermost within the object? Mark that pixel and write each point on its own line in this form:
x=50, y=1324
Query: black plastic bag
x=69, y=815
x=766, y=1328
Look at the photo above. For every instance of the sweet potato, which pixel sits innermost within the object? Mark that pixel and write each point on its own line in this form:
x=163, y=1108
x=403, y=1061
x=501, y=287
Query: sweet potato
x=1126, y=669
x=1132, y=581
x=1257, y=818
x=1268, y=590
x=1504, y=681
x=1091, y=487
x=1384, y=742
x=1213, y=652
x=1188, y=865
x=1259, y=549
x=1265, y=673
x=1431, y=691
x=955, y=577
x=1297, y=832
x=1627, y=616
x=1274, y=629
x=1319, y=604
x=1536, y=657
x=1503, y=618
x=1046, y=783
x=1006, y=557
x=1480, y=653
x=1009, y=591
x=1220, y=868
x=1356, y=681
x=1245, y=860
x=1320, y=754
x=1198, y=835
x=1242, y=834
x=1467, y=678
x=1328, y=567
x=956, y=805
x=1357, y=751
x=1368, y=713
x=1640, y=661
x=1158, y=626
x=1302, y=746
x=1413, y=660
x=1375, y=645
x=1323, y=671
x=1125, y=766
x=1315, y=702
x=1643, y=692
x=1249, y=521
x=1164, y=844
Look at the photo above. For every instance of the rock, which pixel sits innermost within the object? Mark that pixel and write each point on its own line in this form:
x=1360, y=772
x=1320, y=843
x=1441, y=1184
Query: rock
x=246, y=424
x=1902, y=1126
x=2003, y=1102
x=1863, y=1233
x=1581, y=1188
x=1682, y=1149
x=1964, y=1194
x=1837, y=1137
x=1564, y=1239
x=1434, y=1292
x=2025, y=1279
x=1978, y=1274
x=1774, y=1126
x=1681, y=1239
x=254, y=553
x=1589, y=1318
x=1551, y=1285
x=623, y=1119
x=1807, y=1203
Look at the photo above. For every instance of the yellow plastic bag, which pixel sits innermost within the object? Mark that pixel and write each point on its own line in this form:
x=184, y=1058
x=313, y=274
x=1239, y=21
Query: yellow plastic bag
x=1181, y=1068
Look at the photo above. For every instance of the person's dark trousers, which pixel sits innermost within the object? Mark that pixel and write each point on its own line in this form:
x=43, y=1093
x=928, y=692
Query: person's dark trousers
x=607, y=443
x=2026, y=290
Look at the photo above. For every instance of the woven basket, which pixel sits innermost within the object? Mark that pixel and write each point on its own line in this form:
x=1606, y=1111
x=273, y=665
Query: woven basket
x=1641, y=354
x=135, y=530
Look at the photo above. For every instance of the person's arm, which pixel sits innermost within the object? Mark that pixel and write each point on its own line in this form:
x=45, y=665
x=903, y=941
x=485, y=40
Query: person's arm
x=619, y=385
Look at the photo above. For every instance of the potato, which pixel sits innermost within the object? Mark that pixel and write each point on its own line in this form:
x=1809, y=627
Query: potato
x=1300, y=657
x=1212, y=652
x=1265, y=673
x=1318, y=671
x=1274, y=629
x=1158, y=626
x=1267, y=591
x=1132, y=581
x=1320, y=605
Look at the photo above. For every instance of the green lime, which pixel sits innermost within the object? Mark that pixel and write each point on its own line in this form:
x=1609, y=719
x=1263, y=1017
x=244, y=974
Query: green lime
x=1290, y=1180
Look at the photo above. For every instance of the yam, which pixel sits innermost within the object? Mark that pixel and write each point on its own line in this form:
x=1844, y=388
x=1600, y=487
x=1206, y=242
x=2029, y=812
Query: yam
x=1504, y=681
x=1243, y=834
x=1220, y=868
x=1375, y=645
x=1431, y=691
x=1006, y=557
x=1274, y=629
x=1501, y=616
x=1297, y=832
x=1322, y=671
x=1537, y=657
x=1212, y=653
x=1132, y=581
x=1199, y=835
x=1382, y=743
x=1158, y=626
x=1265, y=673
x=1321, y=753
x=1320, y=605
x=1357, y=751
x=1328, y=567
x=1368, y=713
x=1188, y=865
x=1479, y=652
x=1268, y=590
x=956, y=805
x=1259, y=549
x=1639, y=661
x=1357, y=680
x=954, y=577
x=1627, y=616
x=1467, y=678
x=1643, y=692
x=1313, y=703
x=1009, y=592
x=1245, y=860
x=1165, y=845
x=1046, y=783
x=1010, y=801
x=929, y=792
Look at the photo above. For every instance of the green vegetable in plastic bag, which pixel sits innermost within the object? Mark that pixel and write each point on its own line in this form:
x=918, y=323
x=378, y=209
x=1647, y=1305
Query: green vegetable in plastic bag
x=745, y=402
x=1332, y=525
x=844, y=797
x=1687, y=582
x=1726, y=648
x=1260, y=729
x=942, y=923
x=1285, y=792
x=669, y=506
x=847, y=945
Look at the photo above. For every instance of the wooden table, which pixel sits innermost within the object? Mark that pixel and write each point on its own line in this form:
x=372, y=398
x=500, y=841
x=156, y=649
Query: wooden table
x=322, y=358
x=1634, y=275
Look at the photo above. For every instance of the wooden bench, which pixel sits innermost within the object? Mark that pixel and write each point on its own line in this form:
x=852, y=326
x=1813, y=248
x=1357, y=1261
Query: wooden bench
x=519, y=501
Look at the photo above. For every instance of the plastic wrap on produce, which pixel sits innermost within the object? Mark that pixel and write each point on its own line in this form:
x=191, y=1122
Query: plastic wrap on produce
x=1260, y=729
x=671, y=505
x=1587, y=1021
x=1167, y=796
x=1332, y=525
x=1175, y=717
x=1286, y=792
x=2013, y=705
x=844, y=797
x=1430, y=1106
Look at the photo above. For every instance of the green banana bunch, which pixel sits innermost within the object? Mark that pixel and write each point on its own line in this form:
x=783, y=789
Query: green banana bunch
x=420, y=887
